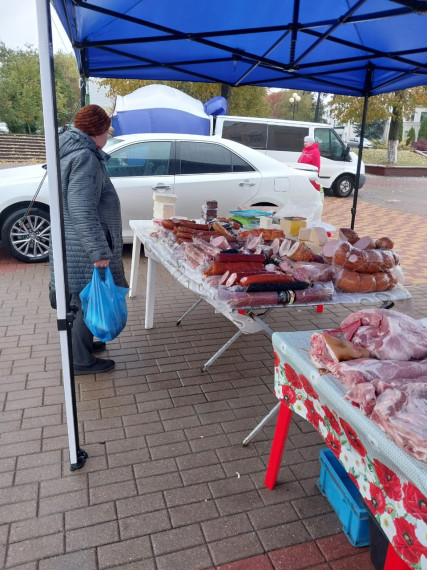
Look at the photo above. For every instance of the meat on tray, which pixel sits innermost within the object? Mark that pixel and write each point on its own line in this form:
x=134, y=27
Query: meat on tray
x=386, y=334
x=402, y=415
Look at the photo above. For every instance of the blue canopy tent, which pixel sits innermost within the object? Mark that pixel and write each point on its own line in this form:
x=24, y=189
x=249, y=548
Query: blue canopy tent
x=349, y=47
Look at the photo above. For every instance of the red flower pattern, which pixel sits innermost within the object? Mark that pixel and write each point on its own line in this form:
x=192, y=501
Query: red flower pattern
x=353, y=478
x=389, y=480
x=405, y=541
x=312, y=416
x=353, y=439
x=288, y=394
x=330, y=416
x=276, y=359
x=377, y=501
x=334, y=444
x=292, y=376
x=415, y=502
x=309, y=390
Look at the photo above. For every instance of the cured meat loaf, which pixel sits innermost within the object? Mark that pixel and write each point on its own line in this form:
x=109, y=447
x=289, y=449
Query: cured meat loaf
x=354, y=282
x=363, y=260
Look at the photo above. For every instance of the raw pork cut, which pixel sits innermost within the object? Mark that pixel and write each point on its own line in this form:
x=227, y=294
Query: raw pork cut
x=365, y=395
x=402, y=414
x=327, y=349
x=360, y=370
x=386, y=334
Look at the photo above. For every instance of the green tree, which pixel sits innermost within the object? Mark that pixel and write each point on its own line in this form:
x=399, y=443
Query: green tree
x=20, y=91
x=422, y=133
x=248, y=100
x=373, y=130
x=411, y=136
x=395, y=106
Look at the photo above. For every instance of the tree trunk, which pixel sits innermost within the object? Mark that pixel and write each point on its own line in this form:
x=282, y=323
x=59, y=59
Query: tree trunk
x=393, y=137
x=226, y=91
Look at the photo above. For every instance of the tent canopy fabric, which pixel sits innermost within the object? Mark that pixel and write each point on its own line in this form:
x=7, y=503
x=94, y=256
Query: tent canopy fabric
x=350, y=47
x=159, y=109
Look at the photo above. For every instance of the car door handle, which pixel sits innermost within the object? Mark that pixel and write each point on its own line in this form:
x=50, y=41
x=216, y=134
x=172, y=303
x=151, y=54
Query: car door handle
x=246, y=183
x=161, y=187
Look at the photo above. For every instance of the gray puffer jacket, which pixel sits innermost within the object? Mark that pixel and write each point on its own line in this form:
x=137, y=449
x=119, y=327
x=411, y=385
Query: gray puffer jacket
x=92, y=220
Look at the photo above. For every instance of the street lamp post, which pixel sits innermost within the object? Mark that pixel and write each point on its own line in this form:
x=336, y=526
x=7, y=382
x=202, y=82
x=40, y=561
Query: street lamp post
x=294, y=100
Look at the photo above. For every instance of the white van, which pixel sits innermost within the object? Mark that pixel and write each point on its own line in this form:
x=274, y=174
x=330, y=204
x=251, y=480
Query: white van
x=283, y=140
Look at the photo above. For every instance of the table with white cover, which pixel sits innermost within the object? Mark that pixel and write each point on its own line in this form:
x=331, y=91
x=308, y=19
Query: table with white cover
x=392, y=482
x=245, y=319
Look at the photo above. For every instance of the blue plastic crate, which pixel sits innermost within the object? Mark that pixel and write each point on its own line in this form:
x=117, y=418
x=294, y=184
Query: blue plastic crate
x=343, y=495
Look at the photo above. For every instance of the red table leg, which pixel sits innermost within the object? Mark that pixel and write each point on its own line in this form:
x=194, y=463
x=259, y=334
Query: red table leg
x=393, y=560
x=278, y=445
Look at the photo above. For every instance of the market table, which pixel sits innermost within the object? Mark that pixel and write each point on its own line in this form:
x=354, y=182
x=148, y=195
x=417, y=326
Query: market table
x=392, y=482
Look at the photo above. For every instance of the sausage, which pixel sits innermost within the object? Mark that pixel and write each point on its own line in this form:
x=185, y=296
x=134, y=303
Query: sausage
x=233, y=278
x=300, y=252
x=292, y=286
x=168, y=224
x=364, y=260
x=193, y=225
x=365, y=243
x=216, y=226
x=218, y=267
x=239, y=257
x=347, y=234
x=384, y=243
x=265, y=278
x=354, y=282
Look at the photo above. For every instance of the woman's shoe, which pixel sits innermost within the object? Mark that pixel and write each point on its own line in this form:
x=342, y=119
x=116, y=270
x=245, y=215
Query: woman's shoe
x=100, y=365
x=98, y=346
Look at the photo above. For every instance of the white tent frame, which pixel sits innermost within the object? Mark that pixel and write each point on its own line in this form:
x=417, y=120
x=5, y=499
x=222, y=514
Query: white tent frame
x=64, y=315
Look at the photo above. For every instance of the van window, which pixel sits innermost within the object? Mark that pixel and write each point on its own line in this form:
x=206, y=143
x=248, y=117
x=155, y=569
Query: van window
x=282, y=137
x=253, y=135
x=330, y=145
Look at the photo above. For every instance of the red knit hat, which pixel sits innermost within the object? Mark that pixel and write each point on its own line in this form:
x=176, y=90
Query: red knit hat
x=92, y=120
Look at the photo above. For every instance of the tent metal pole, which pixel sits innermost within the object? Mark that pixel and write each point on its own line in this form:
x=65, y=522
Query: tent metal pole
x=64, y=315
x=368, y=85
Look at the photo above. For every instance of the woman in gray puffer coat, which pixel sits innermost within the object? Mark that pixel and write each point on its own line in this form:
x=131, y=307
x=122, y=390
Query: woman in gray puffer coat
x=92, y=223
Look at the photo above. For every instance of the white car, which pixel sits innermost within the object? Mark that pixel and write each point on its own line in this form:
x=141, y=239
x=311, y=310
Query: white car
x=195, y=168
x=355, y=142
x=4, y=129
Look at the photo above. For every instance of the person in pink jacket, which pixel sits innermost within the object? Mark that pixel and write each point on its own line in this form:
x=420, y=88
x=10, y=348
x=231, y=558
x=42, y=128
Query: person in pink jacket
x=311, y=154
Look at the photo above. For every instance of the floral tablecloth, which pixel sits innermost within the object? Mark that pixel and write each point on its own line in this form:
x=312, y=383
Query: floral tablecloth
x=392, y=483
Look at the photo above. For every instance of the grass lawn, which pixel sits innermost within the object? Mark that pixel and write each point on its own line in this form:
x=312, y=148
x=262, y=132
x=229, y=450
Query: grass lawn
x=404, y=157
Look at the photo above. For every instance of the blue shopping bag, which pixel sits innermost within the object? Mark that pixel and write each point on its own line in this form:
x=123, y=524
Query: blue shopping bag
x=104, y=306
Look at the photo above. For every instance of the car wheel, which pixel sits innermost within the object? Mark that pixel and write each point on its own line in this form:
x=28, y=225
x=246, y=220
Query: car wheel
x=27, y=240
x=343, y=186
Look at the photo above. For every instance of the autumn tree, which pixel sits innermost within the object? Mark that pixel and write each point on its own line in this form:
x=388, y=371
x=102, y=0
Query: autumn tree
x=20, y=90
x=305, y=109
x=394, y=106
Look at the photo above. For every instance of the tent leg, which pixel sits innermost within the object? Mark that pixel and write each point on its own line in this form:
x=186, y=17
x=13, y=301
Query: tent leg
x=368, y=84
x=64, y=315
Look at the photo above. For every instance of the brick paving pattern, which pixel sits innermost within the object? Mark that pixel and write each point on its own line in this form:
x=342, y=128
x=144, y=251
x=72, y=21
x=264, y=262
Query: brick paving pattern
x=168, y=484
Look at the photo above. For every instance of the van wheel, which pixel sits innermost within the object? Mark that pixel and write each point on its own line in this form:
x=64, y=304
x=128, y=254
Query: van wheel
x=27, y=240
x=343, y=186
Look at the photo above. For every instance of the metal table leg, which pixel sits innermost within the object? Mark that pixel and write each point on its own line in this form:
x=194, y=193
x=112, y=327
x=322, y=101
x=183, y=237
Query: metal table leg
x=189, y=311
x=261, y=424
x=221, y=351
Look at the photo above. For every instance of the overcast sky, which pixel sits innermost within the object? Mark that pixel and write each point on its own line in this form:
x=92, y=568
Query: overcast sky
x=18, y=26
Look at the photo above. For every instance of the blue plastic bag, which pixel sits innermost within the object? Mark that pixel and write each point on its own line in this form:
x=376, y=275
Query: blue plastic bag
x=104, y=306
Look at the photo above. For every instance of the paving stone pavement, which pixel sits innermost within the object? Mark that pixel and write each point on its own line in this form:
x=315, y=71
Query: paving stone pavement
x=168, y=484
